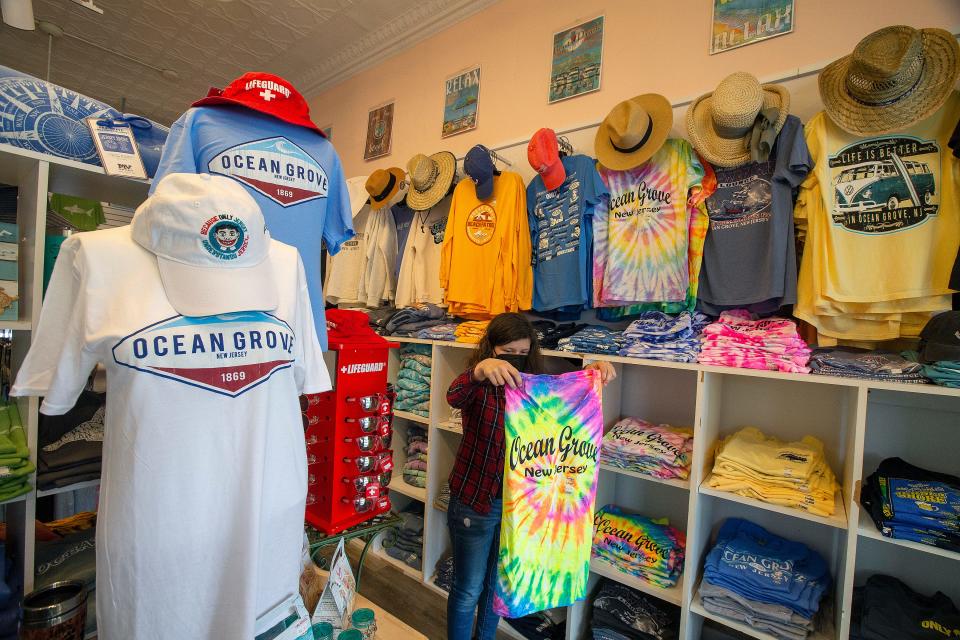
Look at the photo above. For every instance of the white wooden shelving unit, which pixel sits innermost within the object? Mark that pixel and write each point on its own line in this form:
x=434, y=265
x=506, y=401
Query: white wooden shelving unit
x=35, y=175
x=860, y=423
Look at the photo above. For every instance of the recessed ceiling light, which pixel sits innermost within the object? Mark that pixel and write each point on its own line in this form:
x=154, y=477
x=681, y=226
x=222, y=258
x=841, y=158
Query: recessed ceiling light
x=49, y=28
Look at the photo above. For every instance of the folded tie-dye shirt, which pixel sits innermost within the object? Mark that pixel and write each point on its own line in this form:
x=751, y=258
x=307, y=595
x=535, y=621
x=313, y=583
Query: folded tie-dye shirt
x=641, y=242
x=553, y=428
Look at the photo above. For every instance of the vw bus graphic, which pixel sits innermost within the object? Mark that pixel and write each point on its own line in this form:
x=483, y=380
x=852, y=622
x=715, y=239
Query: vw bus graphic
x=884, y=185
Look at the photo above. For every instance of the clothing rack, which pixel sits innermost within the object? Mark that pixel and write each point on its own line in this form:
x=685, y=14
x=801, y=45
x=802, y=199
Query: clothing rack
x=496, y=157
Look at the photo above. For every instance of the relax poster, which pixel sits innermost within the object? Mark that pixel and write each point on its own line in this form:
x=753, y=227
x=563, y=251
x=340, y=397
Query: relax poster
x=737, y=23
x=461, y=101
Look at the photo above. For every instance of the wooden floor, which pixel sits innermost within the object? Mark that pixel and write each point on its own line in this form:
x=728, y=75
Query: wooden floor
x=404, y=597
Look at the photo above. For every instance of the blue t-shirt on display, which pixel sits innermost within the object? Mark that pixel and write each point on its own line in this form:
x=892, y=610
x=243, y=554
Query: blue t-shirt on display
x=293, y=173
x=561, y=230
x=403, y=219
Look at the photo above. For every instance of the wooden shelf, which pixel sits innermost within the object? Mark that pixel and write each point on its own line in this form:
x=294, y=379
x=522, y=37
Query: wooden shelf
x=412, y=417
x=838, y=519
x=22, y=498
x=867, y=529
x=696, y=606
x=673, y=595
x=452, y=427
x=928, y=389
x=73, y=487
x=404, y=568
x=671, y=482
x=16, y=325
x=399, y=485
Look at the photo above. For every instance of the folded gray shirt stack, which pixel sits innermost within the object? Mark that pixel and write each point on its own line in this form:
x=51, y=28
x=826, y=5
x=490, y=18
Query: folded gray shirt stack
x=777, y=620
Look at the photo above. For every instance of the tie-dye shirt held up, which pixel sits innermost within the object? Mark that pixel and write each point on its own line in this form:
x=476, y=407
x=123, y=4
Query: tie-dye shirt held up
x=640, y=243
x=553, y=428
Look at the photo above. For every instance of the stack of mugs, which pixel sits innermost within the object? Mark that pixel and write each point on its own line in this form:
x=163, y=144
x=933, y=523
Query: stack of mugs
x=349, y=460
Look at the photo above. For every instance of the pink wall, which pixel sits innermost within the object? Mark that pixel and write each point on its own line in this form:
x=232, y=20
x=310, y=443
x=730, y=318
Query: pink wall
x=650, y=46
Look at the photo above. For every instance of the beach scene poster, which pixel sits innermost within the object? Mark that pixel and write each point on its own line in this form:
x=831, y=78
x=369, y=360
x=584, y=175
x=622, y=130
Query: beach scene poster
x=737, y=23
x=461, y=101
x=577, y=60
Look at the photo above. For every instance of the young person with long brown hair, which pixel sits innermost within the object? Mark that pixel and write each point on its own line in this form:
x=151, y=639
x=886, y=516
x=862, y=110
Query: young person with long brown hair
x=509, y=347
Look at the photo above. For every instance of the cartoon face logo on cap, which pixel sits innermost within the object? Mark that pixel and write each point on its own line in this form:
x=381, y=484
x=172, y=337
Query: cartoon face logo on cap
x=225, y=237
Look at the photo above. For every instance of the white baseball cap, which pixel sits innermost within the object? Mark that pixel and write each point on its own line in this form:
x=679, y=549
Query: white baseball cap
x=211, y=243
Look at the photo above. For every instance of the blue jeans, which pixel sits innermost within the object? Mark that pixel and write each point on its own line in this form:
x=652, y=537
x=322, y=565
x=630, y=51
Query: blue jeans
x=476, y=544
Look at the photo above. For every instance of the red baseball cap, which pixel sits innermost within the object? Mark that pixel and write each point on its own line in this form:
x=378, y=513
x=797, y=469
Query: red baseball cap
x=266, y=93
x=543, y=154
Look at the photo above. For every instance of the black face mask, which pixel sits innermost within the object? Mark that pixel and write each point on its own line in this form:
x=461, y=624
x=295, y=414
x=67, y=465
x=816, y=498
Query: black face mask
x=518, y=360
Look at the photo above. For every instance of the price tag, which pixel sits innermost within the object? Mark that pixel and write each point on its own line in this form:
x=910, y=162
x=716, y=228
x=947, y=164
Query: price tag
x=117, y=148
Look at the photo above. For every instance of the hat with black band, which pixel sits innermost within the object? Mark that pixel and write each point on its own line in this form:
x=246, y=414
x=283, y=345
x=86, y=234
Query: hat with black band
x=383, y=184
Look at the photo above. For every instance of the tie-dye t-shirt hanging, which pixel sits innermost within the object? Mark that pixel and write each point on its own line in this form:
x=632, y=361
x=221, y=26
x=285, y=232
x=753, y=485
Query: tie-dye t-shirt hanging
x=641, y=241
x=553, y=428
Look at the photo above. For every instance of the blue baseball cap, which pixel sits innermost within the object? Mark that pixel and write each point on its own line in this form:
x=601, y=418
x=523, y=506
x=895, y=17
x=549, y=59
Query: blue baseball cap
x=479, y=167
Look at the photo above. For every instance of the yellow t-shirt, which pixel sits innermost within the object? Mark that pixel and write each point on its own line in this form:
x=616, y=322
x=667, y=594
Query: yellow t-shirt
x=485, y=269
x=882, y=222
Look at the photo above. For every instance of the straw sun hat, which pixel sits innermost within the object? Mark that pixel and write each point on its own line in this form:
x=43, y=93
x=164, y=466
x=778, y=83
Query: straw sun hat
x=430, y=179
x=633, y=131
x=719, y=124
x=894, y=78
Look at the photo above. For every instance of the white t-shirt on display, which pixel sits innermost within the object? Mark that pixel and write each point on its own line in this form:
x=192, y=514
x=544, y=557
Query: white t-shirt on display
x=346, y=267
x=419, y=279
x=204, y=464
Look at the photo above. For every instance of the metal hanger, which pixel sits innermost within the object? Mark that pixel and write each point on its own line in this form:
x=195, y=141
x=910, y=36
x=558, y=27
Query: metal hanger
x=566, y=149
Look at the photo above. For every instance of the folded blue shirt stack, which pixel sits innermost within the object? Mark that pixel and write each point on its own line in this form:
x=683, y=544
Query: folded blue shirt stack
x=593, y=339
x=847, y=362
x=773, y=584
x=912, y=503
x=658, y=336
x=443, y=331
x=409, y=320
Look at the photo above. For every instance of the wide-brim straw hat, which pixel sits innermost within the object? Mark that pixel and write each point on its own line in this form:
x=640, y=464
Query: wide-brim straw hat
x=430, y=179
x=719, y=124
x=633, y=131
x=894, y=78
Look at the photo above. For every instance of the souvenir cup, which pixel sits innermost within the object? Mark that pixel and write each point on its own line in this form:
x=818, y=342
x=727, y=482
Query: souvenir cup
x=361, y=504
x=368, y=424
x=384, y=463
x=369, y=403
x=368, y=486
x=366, y=443
x=364, y=464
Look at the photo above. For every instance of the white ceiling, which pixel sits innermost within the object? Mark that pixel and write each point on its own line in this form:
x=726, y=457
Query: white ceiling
x=312, y=43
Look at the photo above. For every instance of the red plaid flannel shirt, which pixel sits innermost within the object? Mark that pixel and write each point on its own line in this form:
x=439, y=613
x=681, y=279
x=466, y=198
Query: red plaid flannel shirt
x=477, y=474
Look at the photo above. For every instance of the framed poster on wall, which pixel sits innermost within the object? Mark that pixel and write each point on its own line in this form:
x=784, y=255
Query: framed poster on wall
x=461, y=101
x=379, y=132
x=577, y=60
x=737, y=23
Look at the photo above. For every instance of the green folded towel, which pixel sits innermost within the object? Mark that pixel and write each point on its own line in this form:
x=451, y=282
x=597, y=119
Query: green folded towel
x=13, y=492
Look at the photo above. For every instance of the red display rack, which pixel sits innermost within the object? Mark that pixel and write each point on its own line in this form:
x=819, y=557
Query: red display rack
x=348, y=432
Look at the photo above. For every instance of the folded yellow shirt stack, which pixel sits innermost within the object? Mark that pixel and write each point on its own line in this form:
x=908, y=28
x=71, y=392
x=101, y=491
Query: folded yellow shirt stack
x=471, y=332
x=789, y=474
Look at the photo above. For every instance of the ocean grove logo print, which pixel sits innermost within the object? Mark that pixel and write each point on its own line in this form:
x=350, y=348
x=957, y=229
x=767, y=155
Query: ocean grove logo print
x=885, y=185
x=481, y=224
x=225, y=237
x=276, y=167
x=227, y=354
